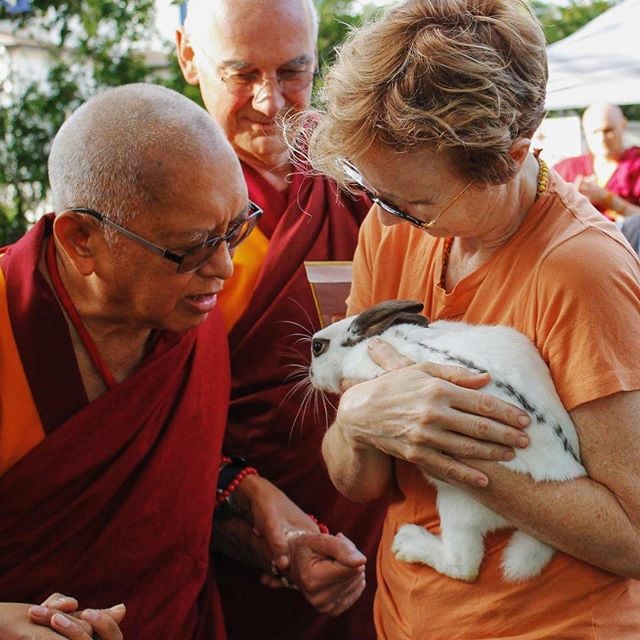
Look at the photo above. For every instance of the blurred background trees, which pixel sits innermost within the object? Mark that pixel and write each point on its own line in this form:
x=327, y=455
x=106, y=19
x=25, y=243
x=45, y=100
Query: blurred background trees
x=560, y=21
x=54, y=57
x=87, y=45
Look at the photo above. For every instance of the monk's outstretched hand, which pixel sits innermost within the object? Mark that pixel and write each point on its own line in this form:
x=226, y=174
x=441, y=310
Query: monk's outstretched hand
x=328, y=570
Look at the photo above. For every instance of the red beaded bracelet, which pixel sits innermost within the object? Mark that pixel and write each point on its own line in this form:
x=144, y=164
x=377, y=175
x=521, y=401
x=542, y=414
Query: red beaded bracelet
x=323, y=527
x=223, y=495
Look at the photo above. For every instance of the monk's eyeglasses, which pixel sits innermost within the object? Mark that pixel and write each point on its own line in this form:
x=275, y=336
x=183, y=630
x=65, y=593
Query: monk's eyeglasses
x=194, y=257
x=244, y=85
x=357, y=178
x=291, y=77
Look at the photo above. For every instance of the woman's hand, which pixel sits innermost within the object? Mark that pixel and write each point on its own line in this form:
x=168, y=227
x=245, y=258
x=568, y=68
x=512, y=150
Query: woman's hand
x=431, y=415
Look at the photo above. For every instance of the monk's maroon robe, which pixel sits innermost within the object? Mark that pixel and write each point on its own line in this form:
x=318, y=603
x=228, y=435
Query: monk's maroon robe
x=307, y=223
x=116, y=503
x=624, y=181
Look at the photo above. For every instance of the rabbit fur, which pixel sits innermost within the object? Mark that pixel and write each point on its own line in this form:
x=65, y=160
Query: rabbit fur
x=518, y=375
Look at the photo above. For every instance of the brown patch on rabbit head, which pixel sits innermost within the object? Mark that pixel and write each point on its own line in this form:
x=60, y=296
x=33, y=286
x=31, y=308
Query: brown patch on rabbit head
x=377, y=319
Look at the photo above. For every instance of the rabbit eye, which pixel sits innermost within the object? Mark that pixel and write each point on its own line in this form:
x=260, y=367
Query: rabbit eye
x=319, y=346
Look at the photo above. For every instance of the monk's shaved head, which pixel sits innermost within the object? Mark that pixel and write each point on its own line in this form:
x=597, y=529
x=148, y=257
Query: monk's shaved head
x=604, y=127
x=116, y=152
x=601, y=111
x=202, y=14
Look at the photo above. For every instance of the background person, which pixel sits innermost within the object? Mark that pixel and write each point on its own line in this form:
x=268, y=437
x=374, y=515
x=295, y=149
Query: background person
x=118, y=292
x=434, y=106
x=609, y=174
x=254, y=62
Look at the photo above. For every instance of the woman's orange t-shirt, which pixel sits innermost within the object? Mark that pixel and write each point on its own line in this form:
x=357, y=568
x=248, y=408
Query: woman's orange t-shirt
x=568, y=280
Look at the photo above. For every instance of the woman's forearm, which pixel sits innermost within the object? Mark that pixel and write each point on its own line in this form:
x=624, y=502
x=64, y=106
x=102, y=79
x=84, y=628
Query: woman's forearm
x=360, y=472
x=579, y=517
x=595, y=518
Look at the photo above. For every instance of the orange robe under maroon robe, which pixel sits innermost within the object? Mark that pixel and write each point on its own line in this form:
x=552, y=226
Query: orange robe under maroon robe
x=115, y=502
x=309, y=222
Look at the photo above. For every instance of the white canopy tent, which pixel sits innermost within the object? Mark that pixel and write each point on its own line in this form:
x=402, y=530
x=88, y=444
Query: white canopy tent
x=599, y=62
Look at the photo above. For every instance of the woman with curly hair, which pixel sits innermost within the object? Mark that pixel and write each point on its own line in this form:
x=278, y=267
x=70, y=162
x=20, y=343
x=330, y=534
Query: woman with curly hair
x=431, y=110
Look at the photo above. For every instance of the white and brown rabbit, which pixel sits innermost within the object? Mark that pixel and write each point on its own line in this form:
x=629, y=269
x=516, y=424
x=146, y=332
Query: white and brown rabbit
x=518, y=375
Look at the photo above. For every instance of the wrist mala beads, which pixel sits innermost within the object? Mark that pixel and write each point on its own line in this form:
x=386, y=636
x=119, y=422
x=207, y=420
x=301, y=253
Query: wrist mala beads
x=232, y=472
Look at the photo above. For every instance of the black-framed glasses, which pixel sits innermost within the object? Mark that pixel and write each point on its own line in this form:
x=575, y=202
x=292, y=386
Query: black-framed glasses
x=194, y=257
x=290, y=79
x=357, y=178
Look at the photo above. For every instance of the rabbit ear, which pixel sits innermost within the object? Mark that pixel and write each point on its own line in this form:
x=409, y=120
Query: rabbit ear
x=379, y=318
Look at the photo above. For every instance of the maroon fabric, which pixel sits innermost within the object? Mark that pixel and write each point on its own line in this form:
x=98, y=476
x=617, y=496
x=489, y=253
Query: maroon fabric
x=306, y=223
x=33, y=304
x=625, y=180
x=116, y=503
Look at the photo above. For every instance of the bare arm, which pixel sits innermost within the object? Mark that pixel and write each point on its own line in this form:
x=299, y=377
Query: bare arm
x=601, y=197
x=257, y=530
x=358, y=470
x=270, y=531
x=595, y=518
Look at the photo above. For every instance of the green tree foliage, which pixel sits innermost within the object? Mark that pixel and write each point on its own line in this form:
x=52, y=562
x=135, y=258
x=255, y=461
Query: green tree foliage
x=90, y=44
x=93, y=44
x=99, y=43
x=337, y=17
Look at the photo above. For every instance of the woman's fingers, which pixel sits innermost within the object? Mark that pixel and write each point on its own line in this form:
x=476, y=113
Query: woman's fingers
x=453, y=471
x=386, y=356
x=455, y=374
x=390, y=359
x=487, y=417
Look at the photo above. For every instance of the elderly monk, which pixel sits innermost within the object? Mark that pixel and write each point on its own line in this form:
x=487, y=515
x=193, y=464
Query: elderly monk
x=254, y=61
x=609, y=175
x=114, y=385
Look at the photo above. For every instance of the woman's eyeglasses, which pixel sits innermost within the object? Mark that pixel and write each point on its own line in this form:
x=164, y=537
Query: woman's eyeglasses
x=357, y=178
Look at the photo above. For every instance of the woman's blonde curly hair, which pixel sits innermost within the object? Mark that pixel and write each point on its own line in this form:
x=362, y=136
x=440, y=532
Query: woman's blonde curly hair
x=467, y=76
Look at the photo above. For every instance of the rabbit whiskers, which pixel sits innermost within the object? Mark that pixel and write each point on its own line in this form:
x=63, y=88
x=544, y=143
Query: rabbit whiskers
x=311, y=400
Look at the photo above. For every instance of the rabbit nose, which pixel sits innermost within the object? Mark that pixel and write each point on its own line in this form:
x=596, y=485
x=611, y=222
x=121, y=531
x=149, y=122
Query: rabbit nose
x=319, y=346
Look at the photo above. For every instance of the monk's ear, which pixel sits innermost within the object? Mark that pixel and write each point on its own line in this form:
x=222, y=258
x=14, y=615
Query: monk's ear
x=185, y=57
x=78, y=236
x=519, y=150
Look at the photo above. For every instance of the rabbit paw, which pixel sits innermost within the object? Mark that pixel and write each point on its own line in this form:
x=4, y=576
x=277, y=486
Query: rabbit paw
x=414, y=544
